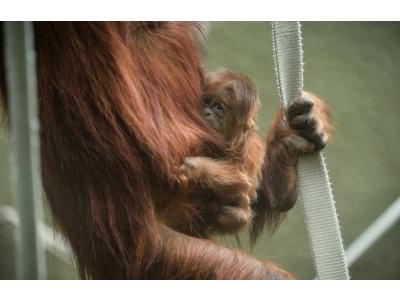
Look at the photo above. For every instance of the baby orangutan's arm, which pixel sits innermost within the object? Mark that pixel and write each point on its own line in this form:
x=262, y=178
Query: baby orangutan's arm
x=304, y=127
x=230, y=205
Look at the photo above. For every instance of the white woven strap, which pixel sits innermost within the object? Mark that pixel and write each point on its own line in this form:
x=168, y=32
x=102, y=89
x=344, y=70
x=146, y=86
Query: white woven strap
x=314, y=185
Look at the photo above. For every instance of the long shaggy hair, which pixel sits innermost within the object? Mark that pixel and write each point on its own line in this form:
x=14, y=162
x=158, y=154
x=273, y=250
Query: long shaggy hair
x=120, y=109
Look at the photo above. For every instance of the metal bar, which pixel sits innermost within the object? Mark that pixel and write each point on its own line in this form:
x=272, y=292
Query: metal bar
x=373, y=232
x=24, y=143
x=53, y=241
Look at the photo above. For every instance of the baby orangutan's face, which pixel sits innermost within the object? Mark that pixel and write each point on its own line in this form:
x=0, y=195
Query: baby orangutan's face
x=230, y=103
x=219, y=116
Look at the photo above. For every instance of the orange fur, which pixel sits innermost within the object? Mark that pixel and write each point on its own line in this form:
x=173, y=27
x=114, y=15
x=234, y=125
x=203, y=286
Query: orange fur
x=120, y=109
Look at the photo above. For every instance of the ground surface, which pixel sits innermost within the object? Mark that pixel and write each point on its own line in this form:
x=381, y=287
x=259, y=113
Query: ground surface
x=356, y=68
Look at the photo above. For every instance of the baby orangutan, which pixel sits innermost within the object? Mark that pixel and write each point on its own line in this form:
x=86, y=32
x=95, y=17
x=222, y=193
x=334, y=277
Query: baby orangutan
x=230, y=107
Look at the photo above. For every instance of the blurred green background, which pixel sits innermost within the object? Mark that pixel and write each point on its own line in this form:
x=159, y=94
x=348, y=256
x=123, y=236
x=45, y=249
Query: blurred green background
x=355, y=67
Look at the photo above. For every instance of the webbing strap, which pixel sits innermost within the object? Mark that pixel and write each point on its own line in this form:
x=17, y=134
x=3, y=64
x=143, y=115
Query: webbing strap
x=314, y=187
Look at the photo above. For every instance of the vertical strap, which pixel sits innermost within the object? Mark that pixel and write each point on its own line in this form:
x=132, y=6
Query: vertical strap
x=24, y=141
x=314, y=185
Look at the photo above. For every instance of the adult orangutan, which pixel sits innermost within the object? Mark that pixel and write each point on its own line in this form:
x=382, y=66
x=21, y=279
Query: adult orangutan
x=120, y=110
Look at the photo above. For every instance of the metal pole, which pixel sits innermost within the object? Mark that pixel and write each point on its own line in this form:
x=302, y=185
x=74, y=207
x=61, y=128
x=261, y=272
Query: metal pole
x=51, y=240
x=25, y=152
x=373, y=232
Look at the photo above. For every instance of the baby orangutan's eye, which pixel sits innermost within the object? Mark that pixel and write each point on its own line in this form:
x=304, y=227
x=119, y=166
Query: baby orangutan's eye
x=207, y=100
x=218, y=107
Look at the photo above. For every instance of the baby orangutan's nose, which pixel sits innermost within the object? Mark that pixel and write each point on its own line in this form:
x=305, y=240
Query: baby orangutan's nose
x=207, y=112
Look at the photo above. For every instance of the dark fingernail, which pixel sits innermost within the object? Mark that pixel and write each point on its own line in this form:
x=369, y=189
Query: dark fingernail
x=319, y=145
